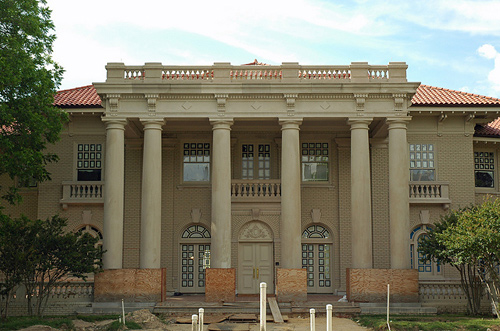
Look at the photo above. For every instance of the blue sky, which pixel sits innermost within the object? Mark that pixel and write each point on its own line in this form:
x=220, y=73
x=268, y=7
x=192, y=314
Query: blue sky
x=453, y=44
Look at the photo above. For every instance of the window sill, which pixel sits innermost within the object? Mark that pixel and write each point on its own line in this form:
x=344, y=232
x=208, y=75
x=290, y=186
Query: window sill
x=317, y=184
x=482, y=190
x=194, y=185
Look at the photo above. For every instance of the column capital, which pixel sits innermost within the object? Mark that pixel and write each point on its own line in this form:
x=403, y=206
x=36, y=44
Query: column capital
x=148, y=123
x=359, y=123
x=115, y=123
x=397, y=122
x=218, y=123
x=288, y=123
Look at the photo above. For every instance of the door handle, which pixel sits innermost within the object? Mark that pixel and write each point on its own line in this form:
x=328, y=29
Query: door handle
x=257, y=272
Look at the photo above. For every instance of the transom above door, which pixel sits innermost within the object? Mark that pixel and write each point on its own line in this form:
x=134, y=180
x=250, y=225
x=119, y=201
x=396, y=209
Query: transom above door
x=194, y=259
x=255, y=161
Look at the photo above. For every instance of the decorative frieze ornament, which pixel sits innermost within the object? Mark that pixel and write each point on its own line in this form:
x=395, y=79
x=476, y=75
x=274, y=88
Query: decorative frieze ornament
x=255, y=231
x=290, y=103
x=151, y=103
x=113, y=103
x=399, y=100
x=221, y=104
x=360, y=103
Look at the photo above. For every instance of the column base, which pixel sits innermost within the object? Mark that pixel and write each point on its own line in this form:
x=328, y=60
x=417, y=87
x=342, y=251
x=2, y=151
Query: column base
x=132, y=285
x=370, y=285
x=291, y=285
x=220, y=285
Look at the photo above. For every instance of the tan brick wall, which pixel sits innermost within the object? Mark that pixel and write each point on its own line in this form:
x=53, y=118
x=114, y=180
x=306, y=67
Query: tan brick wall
x=380, y=207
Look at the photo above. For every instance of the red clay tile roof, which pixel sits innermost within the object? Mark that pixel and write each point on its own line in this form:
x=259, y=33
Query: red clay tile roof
x=82, y=97
x=491, y=129
x=437, y=96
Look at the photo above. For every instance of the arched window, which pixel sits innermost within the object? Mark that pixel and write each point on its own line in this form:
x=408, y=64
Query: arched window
x=93, y=231
x=427, y=269
x=317, y=258
x=194, y=259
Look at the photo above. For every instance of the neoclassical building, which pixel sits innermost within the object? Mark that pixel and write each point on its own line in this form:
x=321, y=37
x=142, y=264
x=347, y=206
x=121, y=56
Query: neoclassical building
x=212, y=179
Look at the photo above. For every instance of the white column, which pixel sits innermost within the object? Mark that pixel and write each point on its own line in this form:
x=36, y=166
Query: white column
x=220, y=254
x=360, y=194
x=151, y=195
x=114, y=172
x=399, y=207
x=290, y=225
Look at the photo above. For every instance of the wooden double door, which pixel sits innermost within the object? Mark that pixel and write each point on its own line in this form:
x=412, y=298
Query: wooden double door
x=255, y=265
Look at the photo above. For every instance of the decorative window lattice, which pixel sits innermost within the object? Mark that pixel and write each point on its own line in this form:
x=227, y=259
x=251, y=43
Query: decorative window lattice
x=315, y=161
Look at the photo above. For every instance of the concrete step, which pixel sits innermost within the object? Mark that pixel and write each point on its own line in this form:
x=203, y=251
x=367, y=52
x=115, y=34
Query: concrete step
x=396, y=308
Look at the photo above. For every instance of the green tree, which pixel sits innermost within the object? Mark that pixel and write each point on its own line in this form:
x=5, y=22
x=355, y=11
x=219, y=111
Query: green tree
x=41, y=255
x=15, y=249
x=475, y=239
x=58, y=256
x=434, y=247
x=28, y=82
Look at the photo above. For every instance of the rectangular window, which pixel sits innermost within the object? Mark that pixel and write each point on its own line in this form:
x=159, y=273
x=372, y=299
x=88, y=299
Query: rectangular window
x=196, y=162
x=89, y=162
x=422, y=166
x=248, y=165
x=484, y=169
x=315, y=161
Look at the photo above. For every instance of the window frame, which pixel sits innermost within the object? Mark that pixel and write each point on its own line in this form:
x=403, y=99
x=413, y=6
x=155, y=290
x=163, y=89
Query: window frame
x=329, y=162
x=495, y=175
x=434, y=160
x=76, y=159
x=182, y=151
x=256, y=168
x=437, y=271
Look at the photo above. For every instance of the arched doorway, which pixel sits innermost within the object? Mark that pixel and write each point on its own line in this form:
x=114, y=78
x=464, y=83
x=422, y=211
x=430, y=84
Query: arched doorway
x=317, y=258
x=194, y=258
x=255, y=258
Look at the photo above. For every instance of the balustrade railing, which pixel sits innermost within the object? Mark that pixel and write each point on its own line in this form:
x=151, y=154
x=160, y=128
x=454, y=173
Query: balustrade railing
x=248, y=189
x=337, y=73
x=264, y=73
x=82, y=192
x=356, y=72
x=74, y=291
x=429, y=192
x=440, y=290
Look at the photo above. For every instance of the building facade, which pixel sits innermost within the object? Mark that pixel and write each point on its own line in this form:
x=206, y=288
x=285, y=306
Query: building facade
x=262, y=169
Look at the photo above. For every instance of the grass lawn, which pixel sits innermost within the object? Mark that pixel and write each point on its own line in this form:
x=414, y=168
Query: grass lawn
x=430, y=322
x=60, y=322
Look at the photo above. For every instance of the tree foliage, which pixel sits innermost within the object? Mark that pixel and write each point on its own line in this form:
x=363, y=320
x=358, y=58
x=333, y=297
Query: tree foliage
x=41, y=255
x=434, y=248
x=470, y=238
x=28, y=82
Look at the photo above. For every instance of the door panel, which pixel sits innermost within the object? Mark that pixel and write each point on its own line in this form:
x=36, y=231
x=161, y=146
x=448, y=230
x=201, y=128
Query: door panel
x=316, y=259
x=255, y=266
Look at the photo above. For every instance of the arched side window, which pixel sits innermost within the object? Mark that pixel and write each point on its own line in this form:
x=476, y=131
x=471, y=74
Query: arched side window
x=316, y=231
x=92, y=230
x=317, y=258
x=196, y=231
x=427, y=269
x=195, y=258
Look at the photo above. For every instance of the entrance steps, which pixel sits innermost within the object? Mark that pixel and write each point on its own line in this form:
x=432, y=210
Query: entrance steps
x=396, y=308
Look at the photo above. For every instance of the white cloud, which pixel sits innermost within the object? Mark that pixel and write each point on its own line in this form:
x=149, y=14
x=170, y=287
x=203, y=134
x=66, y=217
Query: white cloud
x=489, y=52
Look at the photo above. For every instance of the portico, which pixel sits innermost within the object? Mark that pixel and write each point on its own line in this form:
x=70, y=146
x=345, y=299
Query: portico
x=261, y=144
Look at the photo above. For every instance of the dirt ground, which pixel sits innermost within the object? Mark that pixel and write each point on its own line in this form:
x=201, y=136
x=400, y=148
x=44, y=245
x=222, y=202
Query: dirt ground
x=151, y=322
